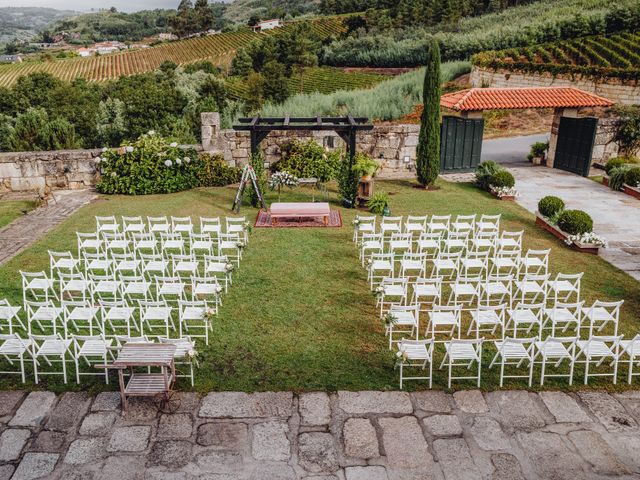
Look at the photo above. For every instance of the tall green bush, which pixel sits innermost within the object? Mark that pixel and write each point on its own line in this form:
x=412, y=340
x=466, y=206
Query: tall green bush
x=428, y=154
x=213, y=171
x=348, y=181
x=309, y=160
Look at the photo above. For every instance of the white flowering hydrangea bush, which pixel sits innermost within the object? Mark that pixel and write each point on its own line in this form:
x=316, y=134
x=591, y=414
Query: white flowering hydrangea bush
x=149, y=165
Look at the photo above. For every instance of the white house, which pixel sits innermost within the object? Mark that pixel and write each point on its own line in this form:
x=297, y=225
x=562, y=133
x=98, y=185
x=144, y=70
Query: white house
x=10, y=59
x=267, y=25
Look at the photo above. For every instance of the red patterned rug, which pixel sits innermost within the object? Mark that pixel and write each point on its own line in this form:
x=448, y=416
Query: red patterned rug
x=264, y=221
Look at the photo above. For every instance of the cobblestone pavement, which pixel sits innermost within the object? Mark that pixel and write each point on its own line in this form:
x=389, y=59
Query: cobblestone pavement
x=506, y=435
x=29, y=228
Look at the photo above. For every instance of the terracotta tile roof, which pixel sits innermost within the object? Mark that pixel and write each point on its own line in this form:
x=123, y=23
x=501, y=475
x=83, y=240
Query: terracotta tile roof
x=509, y=98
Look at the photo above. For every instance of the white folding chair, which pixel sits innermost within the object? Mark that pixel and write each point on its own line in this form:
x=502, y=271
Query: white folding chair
x=510, y=242
x=91, y=350
x=171, y=244
x=186, y=265
x=80, y=315
x=154, y=265
x=363, y=224
x=524, y=317
x=415, y=224
x=456, y=242
x=88, y=242
x=413, y=265
x=155, y=315
x=9, y=316
x=400, y=243
x=169, y=289
x=97, y=264
x=134, y=287
x=465, y=291
x=231, y=245
x=184, y=347
x=194, y=315
x=210, y=226
x=444, y=320
x=144, y=243
x=415, y=354
x=42, y=313
x=379, y=266
x=534, y=262
x=631, y=348
x=497, y=289
x=115, y=243
x=446, y=265
x=182, y=225
x=516, y=353
x=61, y=262
x=118, y=315
x=402, y=320
x=104, y=287
x=107, y=224
x=439, y=224
x=474, y=264
x=556, y=351
x=237, y=226
x=531, y=289
x=158, y=225
x=505, y=263
x=133, y=225
x=207, y=289
x=429, y=244
x=14, y=349
x=488, y=223
x=562, y=316
x=426, y=292
x=463, y=353
x=53, y=349
x=484, y=241
x=564, y=286
x=74, y=286
x=218, y=266
x=392, y=291
x=201, y=244
x=126, y=263
x=464, y=223
x=38, y=285
x=597, y=350
x=370, y=243
x=488, y=319
x=601, y=314
x=389, y=226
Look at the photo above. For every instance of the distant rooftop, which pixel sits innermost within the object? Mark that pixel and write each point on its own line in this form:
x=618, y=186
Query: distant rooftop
x=515, y=98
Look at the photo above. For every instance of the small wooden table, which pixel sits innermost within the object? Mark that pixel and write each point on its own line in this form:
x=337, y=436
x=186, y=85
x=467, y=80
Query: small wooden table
x=300, y=210
x=156, y=385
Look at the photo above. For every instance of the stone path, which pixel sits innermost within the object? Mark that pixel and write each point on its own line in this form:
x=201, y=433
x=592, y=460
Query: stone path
x=29, y=228
x=315, y=436
x=616, y=216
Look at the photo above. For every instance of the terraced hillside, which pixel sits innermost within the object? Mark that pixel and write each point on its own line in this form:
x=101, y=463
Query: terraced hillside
x=219, y=49
x=597, y=56
x=318, y=79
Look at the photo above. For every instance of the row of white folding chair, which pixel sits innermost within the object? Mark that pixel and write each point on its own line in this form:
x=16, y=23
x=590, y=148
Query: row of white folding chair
x=89, y=350
x=196, y=244
x=517, y=353
x=114, y=317
x=419, y=224
x=164, y=224
x=448, y=320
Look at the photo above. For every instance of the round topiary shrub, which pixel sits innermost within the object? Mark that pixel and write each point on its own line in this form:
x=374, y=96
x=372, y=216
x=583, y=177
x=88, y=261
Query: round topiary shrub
x=616, y=162
x=502, y=178
x=632, y=177
x=575, y=222
x=550, y=205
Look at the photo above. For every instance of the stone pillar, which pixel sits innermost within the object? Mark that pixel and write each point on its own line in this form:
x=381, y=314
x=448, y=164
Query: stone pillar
x=210, y=131
x=555, y=127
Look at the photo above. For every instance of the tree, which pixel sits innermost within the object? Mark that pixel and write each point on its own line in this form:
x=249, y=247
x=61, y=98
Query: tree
x=275, y=86
x=203, y=15
x=182, y=22
x=255, y=92
x=428, y=154
x=110, y=122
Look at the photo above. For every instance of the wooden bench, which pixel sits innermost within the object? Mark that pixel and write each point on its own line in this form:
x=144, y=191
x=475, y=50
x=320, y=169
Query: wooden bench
x=300, y=210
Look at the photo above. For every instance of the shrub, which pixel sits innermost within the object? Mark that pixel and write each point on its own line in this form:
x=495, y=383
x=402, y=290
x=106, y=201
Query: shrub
x=364, y=165
x=150, y=165
x=614, y=163
x=575, y=222
x=348, y=182
x=428, y=152
x=632, y=177
x=502, y=178
x=309, y=160
x=213, y=171
x=378, y=203
x=617, y=177
x=550, y=206
x=539, y=149
x=485, y=172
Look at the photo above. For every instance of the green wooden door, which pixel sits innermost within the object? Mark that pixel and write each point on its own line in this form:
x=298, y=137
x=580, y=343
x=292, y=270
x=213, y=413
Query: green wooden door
x=460, y=143
x=576, y=137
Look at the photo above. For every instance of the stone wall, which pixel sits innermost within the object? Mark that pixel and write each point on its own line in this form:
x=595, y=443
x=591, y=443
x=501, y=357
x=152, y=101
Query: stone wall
x=45, y=171
x=627, y=93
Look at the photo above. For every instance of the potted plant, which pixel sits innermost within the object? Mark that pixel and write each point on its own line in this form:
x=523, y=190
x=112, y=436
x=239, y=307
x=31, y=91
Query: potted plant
x=379, y=204
x=538, y=153
x=496, y=180
x=366, y=167
x=574, y=227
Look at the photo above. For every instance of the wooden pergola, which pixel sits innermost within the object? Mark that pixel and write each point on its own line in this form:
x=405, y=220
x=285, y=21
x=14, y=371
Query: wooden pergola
x=346, y=127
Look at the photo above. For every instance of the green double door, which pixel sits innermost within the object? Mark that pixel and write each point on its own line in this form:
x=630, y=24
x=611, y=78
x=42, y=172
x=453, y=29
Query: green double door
x=460, y=143
x=574, y=148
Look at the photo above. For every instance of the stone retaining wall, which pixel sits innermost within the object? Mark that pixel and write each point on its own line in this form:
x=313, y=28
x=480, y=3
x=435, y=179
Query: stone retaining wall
x=627, y=93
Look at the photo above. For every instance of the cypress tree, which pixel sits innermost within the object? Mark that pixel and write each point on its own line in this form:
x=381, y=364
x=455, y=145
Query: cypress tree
x=428, y=153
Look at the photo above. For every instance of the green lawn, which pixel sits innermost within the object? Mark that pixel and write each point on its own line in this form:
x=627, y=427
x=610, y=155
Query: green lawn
x=300, y=315
x=12, y=209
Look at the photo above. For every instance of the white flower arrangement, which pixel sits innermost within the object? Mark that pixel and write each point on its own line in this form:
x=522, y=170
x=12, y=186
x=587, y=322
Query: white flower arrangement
x=378, y=291
x=168, y=163
x=151, y=132
x=240, y=245
x=186, y=160
x=173, y=144
x=178, y=161
x=128, y=149
x=105, y=149
x=389, y=319
x=192, y=356
x=589, y=238
x=229, y=267
x=369, y=262
x=504, y=191
x=97, y=160
x=218, y=289
x=114, y=174
x=279, y=179
x=356, y=222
